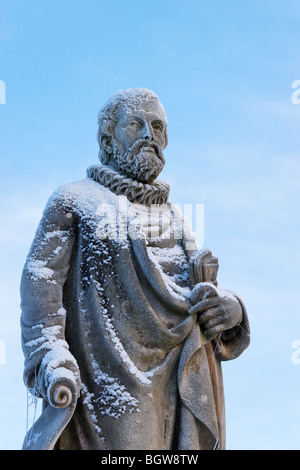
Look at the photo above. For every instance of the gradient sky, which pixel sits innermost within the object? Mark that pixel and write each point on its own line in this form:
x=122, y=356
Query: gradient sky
x=224, y=73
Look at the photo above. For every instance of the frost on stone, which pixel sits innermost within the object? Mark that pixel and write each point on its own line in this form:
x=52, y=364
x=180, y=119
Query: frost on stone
x=227, y=294
x=59, y=364
x=62, y=235
x=61, y=311
x=157, y=224
x=38, y=269
x=48, y=338
x=57, y=374
x=88, y=402
x=57, y=361
x=131, y=100
x=161, y=258
x=113, y=399
x=143, y=377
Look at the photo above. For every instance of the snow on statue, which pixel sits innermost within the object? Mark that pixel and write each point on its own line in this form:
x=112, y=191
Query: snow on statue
x=124, y=326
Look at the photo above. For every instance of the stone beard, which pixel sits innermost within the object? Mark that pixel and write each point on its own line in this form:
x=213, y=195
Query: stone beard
x=122, y=326
x=143, y=161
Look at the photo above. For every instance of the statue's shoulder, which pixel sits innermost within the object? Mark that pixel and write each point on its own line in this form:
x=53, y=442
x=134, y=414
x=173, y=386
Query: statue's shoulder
x=78, y=196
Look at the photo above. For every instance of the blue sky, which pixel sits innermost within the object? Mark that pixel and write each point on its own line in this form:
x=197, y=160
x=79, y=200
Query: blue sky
x=224, y=72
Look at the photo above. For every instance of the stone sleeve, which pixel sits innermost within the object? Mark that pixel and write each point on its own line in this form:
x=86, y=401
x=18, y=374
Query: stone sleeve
x=231, y=343
x=43, y=314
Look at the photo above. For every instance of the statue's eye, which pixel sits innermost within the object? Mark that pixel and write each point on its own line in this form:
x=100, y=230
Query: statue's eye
x=135, y=124
x=157, y=126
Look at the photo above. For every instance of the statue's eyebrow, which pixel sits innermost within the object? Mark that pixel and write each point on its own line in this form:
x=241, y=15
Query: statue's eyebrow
x=135, y=118
x=131, y=119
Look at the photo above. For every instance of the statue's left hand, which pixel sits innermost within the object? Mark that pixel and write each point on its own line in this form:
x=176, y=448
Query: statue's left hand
x=216, y=311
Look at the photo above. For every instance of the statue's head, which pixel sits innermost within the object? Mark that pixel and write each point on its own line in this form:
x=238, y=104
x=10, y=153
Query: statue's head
x=132, y=134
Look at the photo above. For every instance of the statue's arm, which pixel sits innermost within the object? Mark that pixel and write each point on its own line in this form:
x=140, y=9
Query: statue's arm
x=229, y=344
x=48, y=362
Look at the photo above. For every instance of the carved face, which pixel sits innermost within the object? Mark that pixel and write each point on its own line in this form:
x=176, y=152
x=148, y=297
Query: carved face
x=139, y=140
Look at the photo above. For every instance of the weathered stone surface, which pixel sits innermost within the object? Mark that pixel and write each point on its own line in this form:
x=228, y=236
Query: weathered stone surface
x=124, y=327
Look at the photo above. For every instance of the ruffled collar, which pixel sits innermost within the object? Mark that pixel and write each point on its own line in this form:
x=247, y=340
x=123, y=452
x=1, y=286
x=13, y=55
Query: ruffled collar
x=140, y=193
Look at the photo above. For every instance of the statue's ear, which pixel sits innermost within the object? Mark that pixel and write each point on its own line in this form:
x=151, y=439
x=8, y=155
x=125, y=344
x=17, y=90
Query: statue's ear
x=166, y=138
x=106, y=143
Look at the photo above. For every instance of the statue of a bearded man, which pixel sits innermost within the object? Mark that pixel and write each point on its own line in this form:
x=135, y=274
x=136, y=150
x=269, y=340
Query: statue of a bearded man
x=124, y=326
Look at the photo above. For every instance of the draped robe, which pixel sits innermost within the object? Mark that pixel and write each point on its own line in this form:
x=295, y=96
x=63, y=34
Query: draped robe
x=99, y=314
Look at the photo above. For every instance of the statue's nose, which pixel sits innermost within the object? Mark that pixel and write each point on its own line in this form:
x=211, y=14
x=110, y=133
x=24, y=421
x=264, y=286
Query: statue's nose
x=148, y=135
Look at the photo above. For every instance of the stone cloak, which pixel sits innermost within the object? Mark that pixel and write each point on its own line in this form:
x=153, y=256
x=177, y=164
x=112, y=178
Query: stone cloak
x=94, y=304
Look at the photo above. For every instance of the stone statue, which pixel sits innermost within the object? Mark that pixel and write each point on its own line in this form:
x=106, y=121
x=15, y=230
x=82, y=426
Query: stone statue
x=123, y=324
